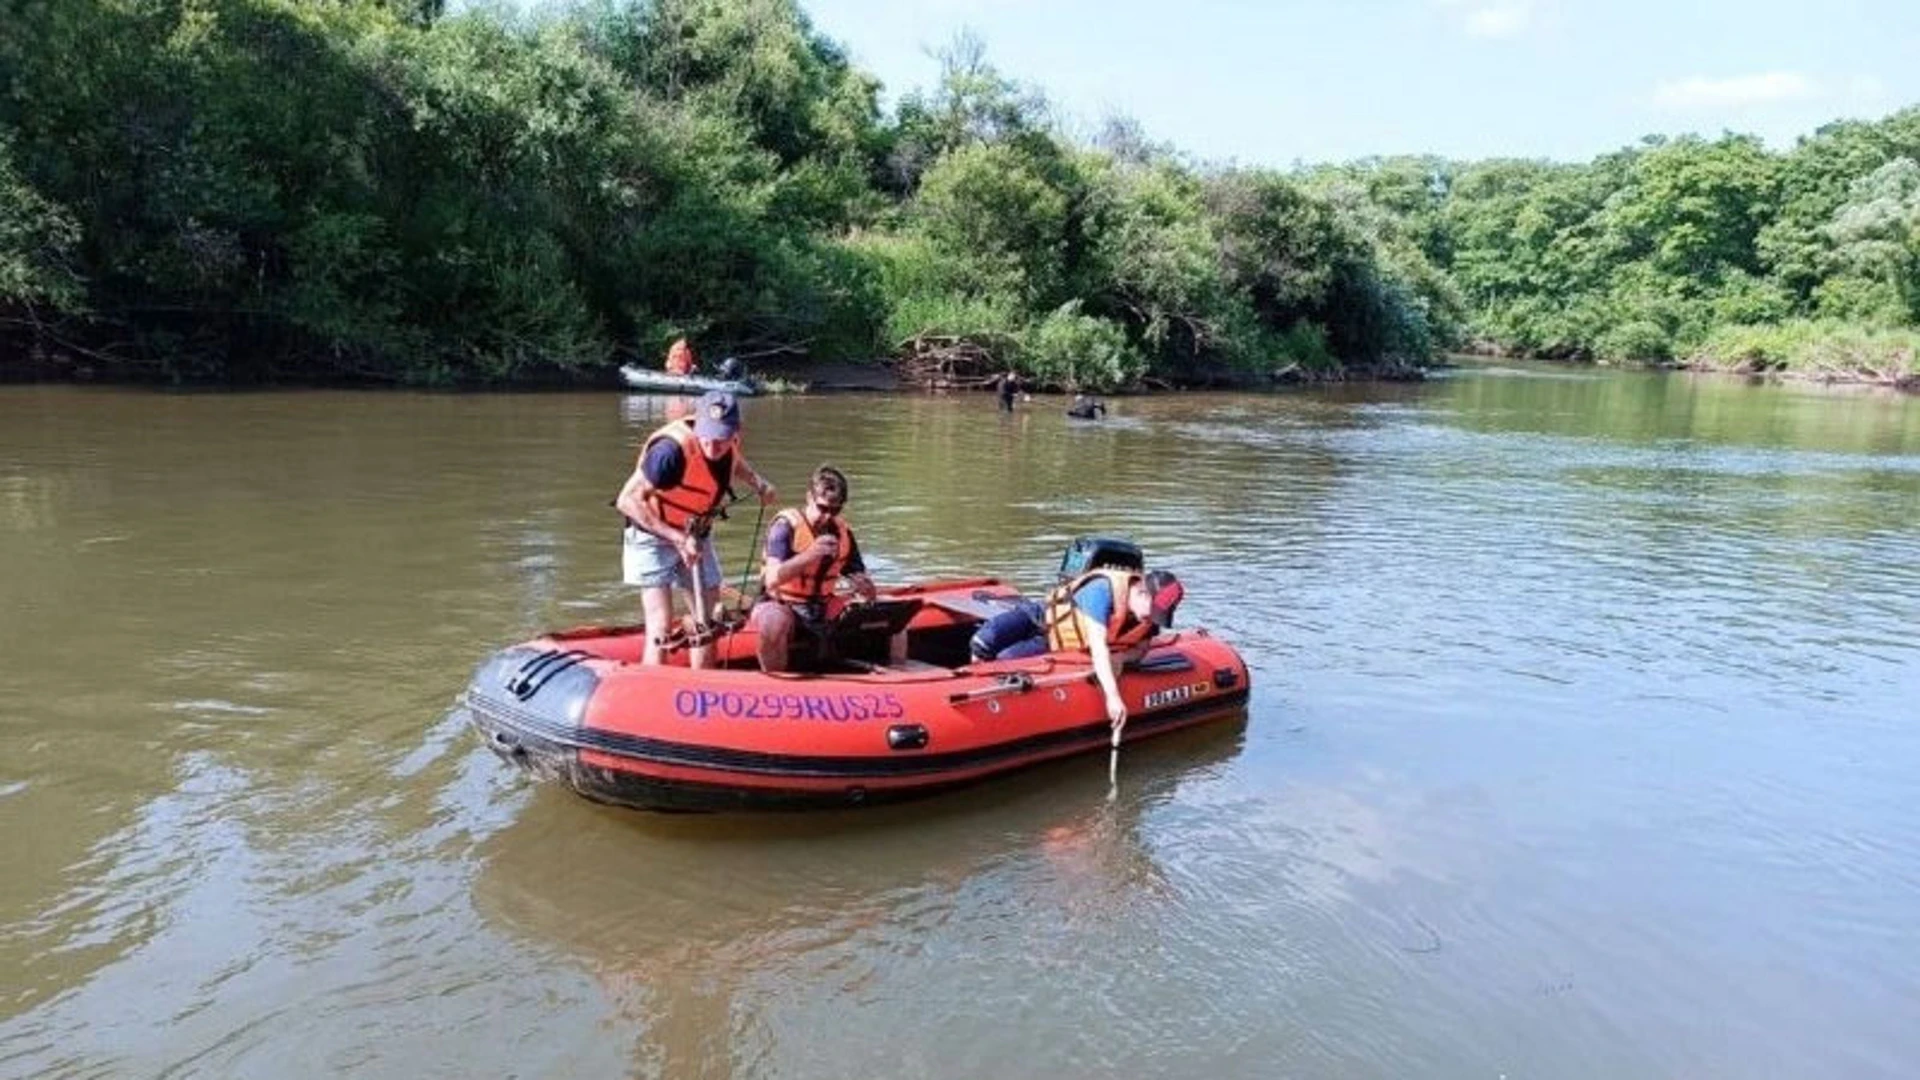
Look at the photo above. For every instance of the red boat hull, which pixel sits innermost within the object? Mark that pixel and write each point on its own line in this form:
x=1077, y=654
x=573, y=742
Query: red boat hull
x=577, y=707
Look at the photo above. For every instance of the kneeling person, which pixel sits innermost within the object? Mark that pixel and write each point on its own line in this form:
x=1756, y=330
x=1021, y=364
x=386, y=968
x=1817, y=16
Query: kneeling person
x=1101, y=612
x=809, y=549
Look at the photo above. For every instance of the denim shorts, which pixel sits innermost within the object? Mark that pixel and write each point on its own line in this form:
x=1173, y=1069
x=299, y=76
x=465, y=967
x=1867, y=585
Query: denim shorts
x=650, y=562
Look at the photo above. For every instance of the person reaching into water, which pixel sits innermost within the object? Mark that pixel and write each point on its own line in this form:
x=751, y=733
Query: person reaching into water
x=685, y=472
x=1107, y=613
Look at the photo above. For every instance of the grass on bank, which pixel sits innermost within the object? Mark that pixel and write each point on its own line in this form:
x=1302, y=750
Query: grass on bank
x=1820, y=349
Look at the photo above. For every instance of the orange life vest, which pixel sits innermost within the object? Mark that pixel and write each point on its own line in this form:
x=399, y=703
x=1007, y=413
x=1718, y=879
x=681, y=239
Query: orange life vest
x=1069, y=628
x=680, y=359
x=703, y=483
x=817, y=581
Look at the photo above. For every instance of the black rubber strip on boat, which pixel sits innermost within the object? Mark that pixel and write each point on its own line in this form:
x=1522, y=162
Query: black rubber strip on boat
x=665, y=752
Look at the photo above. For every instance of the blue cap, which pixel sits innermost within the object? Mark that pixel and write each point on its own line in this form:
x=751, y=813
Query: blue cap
x=717, y=416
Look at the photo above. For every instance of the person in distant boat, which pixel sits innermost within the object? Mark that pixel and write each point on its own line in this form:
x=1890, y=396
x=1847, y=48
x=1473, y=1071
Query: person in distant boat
x=1086, y=408
x=680, y=358
x=685, y=472
x=1009, y=389
x=731, y=370
x=810, y=549
x=1108, y=613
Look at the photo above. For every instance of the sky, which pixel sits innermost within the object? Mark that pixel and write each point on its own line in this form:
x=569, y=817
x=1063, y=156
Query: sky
x=1281, y=82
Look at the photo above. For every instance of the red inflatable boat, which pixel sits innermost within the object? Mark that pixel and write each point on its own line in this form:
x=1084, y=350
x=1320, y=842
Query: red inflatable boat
x=578, y=707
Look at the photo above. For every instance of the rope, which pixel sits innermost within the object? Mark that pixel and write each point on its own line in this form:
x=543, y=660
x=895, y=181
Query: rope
x=754, y=549
x=733, y=626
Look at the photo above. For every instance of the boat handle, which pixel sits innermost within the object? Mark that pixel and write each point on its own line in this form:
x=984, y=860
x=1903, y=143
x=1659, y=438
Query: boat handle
x=907, y=737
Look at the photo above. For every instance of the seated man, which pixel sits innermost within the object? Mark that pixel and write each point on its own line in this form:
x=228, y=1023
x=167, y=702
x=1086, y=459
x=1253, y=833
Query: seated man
x=1100, y=612
x=809, y=550
x=680, y=358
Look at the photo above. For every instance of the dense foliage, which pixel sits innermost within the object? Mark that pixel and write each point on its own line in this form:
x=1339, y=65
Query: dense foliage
x=1657, y=251
x=260, y=189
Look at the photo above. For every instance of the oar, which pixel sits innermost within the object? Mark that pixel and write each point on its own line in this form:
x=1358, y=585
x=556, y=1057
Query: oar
x=1019, y=683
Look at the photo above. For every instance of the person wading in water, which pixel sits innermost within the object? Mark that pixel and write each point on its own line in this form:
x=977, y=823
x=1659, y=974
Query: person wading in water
x=1086, y=408
x=1010, y=387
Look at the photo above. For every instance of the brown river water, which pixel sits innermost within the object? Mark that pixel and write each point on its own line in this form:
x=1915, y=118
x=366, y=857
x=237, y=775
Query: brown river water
x=1583, y=743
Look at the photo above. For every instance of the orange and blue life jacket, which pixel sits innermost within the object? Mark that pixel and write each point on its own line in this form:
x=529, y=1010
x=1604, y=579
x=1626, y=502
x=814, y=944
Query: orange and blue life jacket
x=816, y=581
x=1069, y=628
x=703, y=483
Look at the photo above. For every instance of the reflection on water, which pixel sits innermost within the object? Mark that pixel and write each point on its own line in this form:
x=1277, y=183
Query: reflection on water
x=834, y=904
x=1580, y=745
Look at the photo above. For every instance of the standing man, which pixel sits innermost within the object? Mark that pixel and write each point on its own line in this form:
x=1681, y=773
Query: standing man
x=685, y=473
x=810, y=548
x=1009, y=389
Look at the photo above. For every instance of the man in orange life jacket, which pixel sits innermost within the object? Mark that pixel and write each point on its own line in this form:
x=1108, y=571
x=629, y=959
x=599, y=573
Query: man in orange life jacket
x=1101, y=612
x=685, y=471
x=680, y=358
x=809, y=550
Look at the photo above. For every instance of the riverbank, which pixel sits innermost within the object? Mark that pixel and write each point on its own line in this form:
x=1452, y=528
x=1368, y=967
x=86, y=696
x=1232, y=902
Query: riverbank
x=799, y=376
x=883, y=375
x=1816, y=351
x=1798, y=351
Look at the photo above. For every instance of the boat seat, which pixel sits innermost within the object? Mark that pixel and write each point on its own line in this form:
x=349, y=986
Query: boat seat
x=979, y=607
x=904, y=667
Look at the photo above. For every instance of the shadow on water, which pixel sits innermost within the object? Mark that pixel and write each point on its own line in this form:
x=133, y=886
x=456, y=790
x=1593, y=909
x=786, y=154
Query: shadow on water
x=681, y=921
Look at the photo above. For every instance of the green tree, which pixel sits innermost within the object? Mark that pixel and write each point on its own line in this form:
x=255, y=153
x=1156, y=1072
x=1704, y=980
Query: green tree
x=37, y=239
x=1816, y=177
x=1151, y=258
x=972, y=104
x=1877, y=231
x=1000, y=220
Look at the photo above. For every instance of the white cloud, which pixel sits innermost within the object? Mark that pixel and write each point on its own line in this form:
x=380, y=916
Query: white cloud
x=1737, y=91
x=1866, y=90
x=1491, y=18
x=1498, y=20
